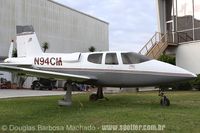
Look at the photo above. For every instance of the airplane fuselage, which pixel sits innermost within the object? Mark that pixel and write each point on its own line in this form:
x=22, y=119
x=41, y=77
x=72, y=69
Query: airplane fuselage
x=103, y=69
x=110, y=68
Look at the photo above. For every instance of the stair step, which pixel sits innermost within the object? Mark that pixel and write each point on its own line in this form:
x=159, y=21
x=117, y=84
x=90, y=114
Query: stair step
x=155, y=46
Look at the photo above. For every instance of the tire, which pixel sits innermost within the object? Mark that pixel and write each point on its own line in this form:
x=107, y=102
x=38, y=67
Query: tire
x=164, y=101
x=93, y=97
x=36, y=86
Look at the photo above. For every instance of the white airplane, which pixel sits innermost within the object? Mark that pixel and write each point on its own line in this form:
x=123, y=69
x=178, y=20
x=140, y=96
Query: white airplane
x=102, y=69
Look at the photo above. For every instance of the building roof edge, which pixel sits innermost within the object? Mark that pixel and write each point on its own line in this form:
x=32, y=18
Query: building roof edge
x=78, y=11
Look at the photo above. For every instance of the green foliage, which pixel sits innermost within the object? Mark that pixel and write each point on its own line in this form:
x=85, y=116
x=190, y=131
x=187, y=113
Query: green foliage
x=121, y=109
x=196, y=82
x=185, y=85
x=92, y=49
x=14, y=53
x=168, y=59
x=45, y=46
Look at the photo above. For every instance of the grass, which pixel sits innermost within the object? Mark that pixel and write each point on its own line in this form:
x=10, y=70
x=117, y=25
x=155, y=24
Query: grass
x=183, y=115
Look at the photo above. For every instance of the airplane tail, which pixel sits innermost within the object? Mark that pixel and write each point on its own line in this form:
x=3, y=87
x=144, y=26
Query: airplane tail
x=27, y=42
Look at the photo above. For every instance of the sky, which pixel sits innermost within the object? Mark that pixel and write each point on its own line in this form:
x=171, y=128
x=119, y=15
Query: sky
x=185, y=7
x=131, y=22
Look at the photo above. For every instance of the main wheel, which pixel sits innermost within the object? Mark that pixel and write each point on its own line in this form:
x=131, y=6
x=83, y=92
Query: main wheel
x=36, y=86
x=93, y=97
x=164, y=101
x=50, y=88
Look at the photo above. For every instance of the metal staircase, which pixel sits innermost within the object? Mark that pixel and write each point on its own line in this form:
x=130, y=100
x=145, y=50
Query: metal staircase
x=155, y=46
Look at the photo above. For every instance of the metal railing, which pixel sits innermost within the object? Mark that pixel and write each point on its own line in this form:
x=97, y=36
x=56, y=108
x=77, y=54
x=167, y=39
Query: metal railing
x=183, y=37
x=154, y=45
x=159, y=42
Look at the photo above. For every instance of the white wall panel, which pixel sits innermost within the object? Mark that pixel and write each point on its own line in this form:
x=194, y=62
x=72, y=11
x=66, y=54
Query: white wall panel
x=65, y=29
x=188, y=56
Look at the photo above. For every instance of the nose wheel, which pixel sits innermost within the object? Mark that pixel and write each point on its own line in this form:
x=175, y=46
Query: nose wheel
x=164, y=101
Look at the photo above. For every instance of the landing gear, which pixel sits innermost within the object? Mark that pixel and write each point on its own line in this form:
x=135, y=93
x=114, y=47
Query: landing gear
x=164, y=101
x=98, y=95
x=93, y=97
x=67, y=100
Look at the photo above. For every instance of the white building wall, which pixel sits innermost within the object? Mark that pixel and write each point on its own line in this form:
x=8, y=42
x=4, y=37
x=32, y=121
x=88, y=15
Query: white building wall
x=160, y=8
x=5, y=75
x=65, y=29
x=188, y=56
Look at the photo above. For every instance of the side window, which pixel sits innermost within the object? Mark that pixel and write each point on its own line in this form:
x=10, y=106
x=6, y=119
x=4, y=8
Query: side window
x=111, y=59
x=95, y=58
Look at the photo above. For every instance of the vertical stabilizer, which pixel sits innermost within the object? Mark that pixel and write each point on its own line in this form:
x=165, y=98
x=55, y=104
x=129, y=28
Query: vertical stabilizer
x=27, y=42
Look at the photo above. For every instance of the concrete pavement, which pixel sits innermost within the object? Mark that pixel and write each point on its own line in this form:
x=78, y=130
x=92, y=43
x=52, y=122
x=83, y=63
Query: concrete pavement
x=10, y=93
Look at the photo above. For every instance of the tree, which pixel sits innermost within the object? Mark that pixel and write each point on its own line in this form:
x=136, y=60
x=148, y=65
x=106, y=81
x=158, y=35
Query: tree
x=196, y=82
x=14, y=53
x=45, y=46
x=92, y=49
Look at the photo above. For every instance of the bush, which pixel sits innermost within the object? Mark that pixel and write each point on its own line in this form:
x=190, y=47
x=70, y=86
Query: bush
x=182, y=86
x=196, y=82
x=168, y=59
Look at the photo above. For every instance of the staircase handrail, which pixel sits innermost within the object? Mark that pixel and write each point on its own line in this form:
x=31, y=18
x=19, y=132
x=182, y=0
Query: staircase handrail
x=152, y=44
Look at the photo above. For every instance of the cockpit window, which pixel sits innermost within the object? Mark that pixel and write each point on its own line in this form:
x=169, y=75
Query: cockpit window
x=111, y=59
x=132, y=58
x=95, y=58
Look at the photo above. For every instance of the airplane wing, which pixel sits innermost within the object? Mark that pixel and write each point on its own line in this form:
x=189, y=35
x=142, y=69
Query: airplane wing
x=16, y=64
x=46, y=74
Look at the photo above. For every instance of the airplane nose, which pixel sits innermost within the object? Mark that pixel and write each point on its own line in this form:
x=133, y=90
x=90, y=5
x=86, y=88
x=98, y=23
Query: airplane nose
x=174, y=70
x=162, y=73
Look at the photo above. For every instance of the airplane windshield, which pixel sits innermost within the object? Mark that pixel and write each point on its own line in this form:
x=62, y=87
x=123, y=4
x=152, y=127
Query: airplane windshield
x=132, y=58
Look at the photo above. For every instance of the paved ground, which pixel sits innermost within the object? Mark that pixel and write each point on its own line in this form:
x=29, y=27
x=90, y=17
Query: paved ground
x=9, y=93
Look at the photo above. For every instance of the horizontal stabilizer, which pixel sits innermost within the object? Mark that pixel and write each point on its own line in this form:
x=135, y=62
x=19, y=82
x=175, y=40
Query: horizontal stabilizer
x=10, y=52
